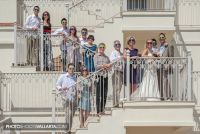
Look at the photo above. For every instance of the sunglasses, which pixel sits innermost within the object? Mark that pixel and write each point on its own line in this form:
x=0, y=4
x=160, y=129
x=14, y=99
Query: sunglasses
x=85, y=70
x=45, y=14
x=90, y=39
x=149, y=42
x=132, y=40
x=72, y=29
x=71, y=68
x=102, y=47
x=84, y=32
x=36, y=10
x=162, y=37
x=64, y=22
x=117, y=45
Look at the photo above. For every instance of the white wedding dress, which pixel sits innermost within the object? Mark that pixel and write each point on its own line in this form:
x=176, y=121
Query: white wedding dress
x=148, y=88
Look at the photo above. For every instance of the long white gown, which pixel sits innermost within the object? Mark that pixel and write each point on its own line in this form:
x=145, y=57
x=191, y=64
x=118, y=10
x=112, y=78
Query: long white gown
x=148, y=89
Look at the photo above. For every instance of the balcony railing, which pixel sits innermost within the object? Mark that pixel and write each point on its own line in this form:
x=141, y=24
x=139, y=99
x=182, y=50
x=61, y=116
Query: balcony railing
x=196, y=85
x=146, y=73
x=151, y=5
x=155, y=79
x=48, y=52
x=22, y=92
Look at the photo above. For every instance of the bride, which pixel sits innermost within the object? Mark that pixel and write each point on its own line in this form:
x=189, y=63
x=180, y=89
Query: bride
x=148, y=89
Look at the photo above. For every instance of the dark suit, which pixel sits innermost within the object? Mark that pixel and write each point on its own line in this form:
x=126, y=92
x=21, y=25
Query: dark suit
x=163, y=72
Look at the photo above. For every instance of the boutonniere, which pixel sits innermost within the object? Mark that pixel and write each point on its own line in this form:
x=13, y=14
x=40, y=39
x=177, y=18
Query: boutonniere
x=166, y=45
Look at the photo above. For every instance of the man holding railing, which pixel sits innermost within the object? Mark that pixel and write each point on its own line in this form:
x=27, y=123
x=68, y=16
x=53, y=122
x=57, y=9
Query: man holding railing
x=63, y=32
x=117, y=77
x=67, y=88
x=33, y=24
x=101, y=62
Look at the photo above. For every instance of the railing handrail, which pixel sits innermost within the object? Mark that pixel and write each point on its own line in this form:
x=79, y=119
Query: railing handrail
x=108, y=19
x=95, y=73
x=145, y=6
x=95, y=13
x=77, y=43
x=122, y=58
x=78, y=3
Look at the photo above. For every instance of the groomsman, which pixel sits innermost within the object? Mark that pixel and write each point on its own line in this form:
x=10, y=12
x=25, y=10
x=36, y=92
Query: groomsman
x=164, y=50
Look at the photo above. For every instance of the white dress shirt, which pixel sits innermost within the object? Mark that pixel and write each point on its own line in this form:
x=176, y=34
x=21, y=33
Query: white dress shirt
x=83, y=42
x=62, y=30
x=115, y=55
x=162, y=48
x=32, y=21
x=67, y=81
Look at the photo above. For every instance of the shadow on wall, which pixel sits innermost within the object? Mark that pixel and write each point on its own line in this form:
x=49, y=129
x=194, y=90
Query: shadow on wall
x=6, y=46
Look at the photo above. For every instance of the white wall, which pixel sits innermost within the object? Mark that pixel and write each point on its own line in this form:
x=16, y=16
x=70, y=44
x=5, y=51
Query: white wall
x=195, y=56
x=6, y=57
x=8, y=11
x=110, y=32
x=7, y=15
x=188, y=12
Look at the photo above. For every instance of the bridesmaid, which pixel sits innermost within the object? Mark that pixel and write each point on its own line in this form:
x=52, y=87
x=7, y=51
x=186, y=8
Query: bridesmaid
x=47, y=47
x=84, y=95
x=133, y=71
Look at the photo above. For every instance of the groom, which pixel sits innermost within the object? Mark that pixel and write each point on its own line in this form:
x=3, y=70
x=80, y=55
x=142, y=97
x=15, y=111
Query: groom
x=164, y=50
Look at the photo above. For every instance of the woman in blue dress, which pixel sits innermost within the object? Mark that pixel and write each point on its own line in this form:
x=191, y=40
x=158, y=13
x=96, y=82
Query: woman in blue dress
x=84, y=95
x=89, y=51
x=133, y=71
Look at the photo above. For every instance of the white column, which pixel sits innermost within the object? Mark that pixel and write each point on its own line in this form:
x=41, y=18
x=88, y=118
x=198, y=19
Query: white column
x=189, y=88
x=41, y=47
x=127, y=75
x=53, y=108
x=15, y=45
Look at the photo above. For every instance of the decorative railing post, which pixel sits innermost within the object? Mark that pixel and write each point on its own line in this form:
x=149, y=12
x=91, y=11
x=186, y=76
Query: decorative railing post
x=41, y=47
x=127, y=75
x=15, y=44
x=189, y=75
x=53, y=107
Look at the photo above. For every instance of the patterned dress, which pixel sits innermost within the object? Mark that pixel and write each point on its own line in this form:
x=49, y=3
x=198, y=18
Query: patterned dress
x=85, y=91
x=47, y=49
x=89, y=57
x=73, y=52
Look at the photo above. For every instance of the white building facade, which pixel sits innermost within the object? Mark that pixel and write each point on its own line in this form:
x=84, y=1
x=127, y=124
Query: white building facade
x=28, y=95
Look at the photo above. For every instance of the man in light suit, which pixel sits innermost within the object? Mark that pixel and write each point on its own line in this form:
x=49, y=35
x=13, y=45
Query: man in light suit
x=164, y=50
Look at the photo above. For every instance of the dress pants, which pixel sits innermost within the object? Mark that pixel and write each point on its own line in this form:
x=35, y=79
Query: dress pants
x=117, y=82
x=70, y=109
x=101, y=93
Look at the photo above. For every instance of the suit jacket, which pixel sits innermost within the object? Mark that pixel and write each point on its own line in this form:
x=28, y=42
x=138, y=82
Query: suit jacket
x=169, y=52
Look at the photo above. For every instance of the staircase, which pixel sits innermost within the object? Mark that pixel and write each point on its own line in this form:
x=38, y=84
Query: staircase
x=94, y=14
x=140, y=118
